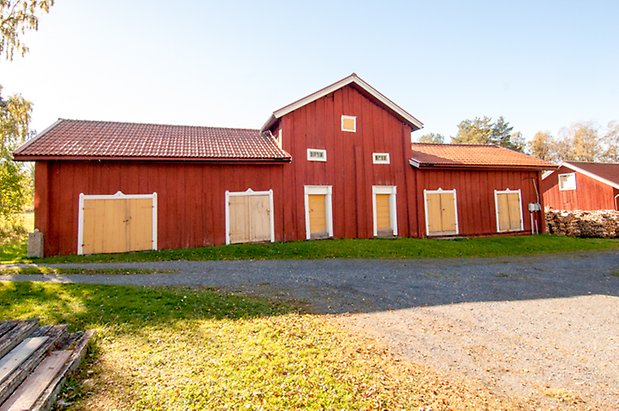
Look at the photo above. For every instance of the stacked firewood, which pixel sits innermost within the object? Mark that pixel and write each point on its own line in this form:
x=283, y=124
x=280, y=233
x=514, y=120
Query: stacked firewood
x=596, y=223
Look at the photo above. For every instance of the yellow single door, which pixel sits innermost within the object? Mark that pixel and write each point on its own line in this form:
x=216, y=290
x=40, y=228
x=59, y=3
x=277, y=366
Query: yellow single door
x=317, y=204
x=239, y=219
x=448, y=213
x=139, y=224
x=260, y=218
x=383, y=215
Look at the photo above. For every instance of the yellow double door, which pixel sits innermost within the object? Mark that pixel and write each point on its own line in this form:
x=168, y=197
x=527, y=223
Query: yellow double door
x=117, y=225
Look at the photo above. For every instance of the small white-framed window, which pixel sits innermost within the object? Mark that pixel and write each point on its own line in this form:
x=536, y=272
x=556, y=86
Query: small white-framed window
x=384, y=211
x=315, y=154
x=508, y=206
x=567, y=181
x=349, y=123
x=380, y=158
x=318, y=212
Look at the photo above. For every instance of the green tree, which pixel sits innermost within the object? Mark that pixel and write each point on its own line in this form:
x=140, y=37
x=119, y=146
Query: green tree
x=610, y=143
x=482, y=130
x=433, y=138
x=15, y=115
x=540, y=146
x=16, y=18
x=476, y=131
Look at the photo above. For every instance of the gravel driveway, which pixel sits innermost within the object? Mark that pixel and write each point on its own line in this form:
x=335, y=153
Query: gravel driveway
x=543, y=327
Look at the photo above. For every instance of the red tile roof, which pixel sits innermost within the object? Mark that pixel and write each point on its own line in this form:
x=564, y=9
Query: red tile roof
x=472, y=156
x=604, y=171
x=77, y=139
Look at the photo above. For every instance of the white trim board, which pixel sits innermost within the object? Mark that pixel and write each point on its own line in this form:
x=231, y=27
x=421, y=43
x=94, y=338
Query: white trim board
x=392, y=191
x=321, y=190
x=353, y=78
x=496, y=208
x=425, y=209
x=249, y=192
x=118, y=196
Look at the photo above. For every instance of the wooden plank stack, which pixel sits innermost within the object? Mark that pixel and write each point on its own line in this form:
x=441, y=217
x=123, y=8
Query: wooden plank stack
x=34, y=362
x=590, y=223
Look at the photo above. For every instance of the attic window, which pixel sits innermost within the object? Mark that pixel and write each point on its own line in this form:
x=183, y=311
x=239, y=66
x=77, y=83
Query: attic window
x=349, y=123
x=567, y=181
x=314, y=154
x=380, y=158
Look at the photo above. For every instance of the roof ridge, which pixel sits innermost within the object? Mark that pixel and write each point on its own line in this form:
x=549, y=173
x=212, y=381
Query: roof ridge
x=156, y=124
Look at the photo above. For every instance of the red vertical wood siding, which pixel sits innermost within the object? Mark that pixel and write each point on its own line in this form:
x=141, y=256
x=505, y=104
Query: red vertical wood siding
x=349, y=168
x=590, y=194
x=191, y=196
x=475, y=196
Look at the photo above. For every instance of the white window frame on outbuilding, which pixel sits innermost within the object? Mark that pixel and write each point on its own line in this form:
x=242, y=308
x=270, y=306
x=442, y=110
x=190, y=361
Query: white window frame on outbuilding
x=320, y=190
x=572, y=179
x=392, y=191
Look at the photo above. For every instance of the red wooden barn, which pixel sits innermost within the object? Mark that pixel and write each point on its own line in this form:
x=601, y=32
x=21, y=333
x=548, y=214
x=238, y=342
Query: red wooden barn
x=337, y=163
x=582, y=186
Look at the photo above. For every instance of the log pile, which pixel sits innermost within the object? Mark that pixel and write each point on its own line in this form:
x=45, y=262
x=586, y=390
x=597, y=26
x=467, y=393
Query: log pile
x=595, y=223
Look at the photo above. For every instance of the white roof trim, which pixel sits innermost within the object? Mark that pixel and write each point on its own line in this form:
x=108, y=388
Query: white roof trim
x=590, y=174
x=353, y=78
x=37, y=136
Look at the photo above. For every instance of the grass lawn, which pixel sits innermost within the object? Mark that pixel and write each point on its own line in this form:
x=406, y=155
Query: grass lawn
x=376, y=248
x=181, y=349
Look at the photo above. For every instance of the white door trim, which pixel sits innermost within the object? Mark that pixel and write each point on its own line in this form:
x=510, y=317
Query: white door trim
x=118, y=196
x=425, y=207
x=249, y=192
x=323, y=190
x=496, y=208
x=392, y=191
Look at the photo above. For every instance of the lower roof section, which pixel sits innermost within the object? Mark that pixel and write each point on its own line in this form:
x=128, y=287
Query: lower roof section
x=106, y=140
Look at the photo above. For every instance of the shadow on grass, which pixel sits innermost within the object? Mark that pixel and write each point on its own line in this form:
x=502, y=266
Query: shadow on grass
x=125, y=308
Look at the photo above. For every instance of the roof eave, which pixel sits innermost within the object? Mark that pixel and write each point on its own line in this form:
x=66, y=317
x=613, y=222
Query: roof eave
x=420, y=165
x=160, y=159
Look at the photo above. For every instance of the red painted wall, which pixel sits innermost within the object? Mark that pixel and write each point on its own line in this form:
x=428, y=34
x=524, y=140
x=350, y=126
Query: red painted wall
x=191, y=196
x=349, y=168
x=590, y=194
x=475, y=196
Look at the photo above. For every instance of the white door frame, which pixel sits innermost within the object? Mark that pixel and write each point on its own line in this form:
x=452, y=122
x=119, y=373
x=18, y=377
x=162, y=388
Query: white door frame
x=425, y=207
x=391, y=190
x=321, y=190
x=118, y=196
x=496, y=208
x=249, y=192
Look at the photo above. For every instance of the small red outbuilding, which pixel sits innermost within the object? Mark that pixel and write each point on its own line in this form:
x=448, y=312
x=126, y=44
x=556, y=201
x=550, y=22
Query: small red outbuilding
x=337, y=163
x=577, y=185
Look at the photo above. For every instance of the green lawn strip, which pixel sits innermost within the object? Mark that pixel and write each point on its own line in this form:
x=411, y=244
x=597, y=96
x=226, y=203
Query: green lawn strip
x=180, y=349
x=13, y=252
x=42, y=269
x=375, y=248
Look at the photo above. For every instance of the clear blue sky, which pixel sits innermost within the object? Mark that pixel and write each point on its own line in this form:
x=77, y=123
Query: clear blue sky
x=540, y=64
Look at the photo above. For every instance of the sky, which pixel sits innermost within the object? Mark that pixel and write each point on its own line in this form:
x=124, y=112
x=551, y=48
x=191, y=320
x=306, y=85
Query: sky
x=543, y=65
